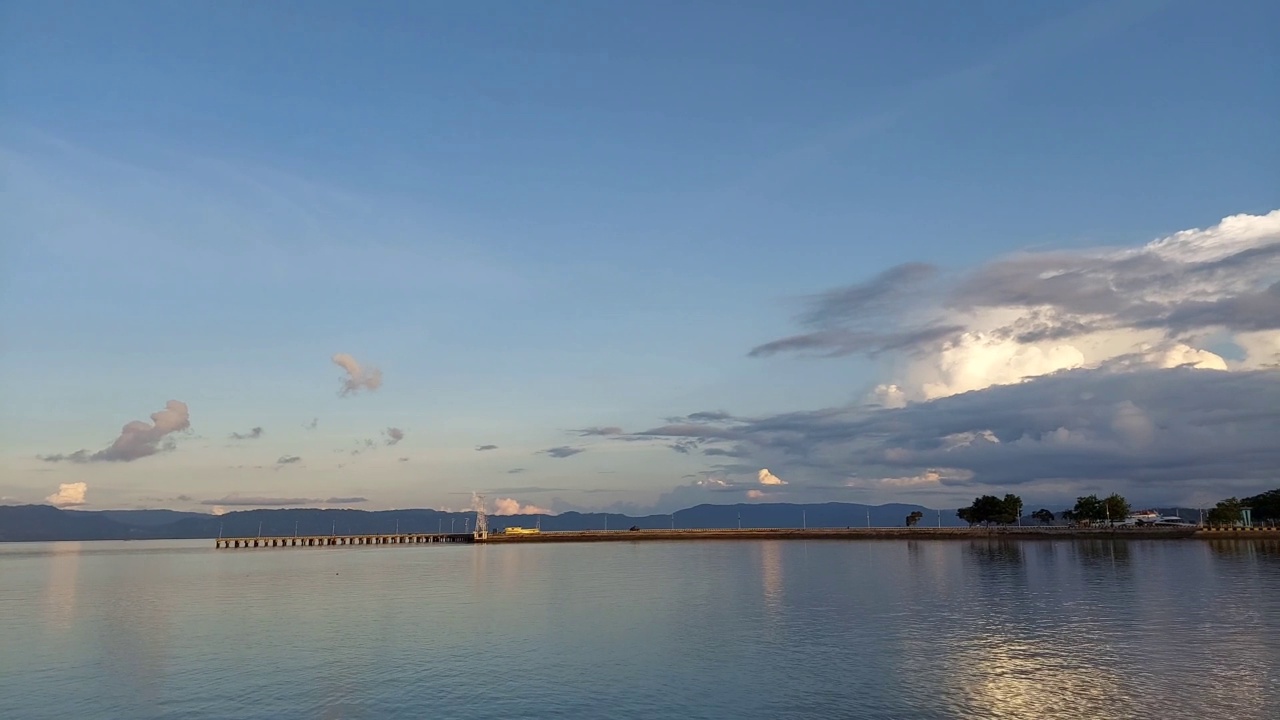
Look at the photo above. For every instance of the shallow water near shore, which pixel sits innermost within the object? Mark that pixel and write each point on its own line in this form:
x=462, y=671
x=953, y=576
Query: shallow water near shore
x=733, y=629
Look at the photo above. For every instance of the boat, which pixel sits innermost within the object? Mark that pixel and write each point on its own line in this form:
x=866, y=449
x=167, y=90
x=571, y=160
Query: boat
x=1141, y=518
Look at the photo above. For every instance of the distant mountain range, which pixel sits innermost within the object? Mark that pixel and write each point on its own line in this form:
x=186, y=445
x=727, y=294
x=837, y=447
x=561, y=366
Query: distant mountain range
x=19, y=523
x=45, y=523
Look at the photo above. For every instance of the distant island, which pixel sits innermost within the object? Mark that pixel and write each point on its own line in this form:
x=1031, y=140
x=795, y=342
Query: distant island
x=34, y=523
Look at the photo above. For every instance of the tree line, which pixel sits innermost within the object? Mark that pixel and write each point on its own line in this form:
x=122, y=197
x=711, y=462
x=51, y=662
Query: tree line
x=1090, y=509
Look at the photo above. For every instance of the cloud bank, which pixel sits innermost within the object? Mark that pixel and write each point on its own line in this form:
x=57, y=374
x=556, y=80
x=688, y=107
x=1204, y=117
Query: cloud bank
x=1148, y=370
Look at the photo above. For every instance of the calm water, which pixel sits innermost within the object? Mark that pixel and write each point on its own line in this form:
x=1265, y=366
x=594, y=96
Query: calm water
x=863, y=629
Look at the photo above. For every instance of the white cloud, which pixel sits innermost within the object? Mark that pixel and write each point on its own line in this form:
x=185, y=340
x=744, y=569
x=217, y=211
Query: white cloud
x=68, y=495
x=511, y=506
x=767, y=478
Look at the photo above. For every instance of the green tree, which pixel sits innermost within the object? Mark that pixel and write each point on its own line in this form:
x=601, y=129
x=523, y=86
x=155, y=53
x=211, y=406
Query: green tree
x=1115, y=507
x=914, y=518
x=1226, y=512
x=1043, y=516
x=1089, y=509
x=1265, y=507
x=991, y=509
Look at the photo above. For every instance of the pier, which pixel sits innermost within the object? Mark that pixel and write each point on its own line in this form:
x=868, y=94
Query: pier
x=344, y=540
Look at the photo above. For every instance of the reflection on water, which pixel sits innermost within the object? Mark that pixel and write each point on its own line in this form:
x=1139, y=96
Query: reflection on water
x=884, y=629
x=60, y=591
x=771, y=574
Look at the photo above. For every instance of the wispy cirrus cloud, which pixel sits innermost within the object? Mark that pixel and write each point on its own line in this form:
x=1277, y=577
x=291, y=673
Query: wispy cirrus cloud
x=267, y=501
x=597, y=431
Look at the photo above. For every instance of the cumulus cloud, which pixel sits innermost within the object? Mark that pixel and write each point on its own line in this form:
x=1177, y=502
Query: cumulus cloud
x=485, y=448
x=393, y=435
x=288, y=459
x=68, y=495
x=563, y=451
x=137, y=439
x=253, y=434
x=1037, y=313
x=260, y=501
x=510, y=506
x=767, y=478
x=358, y=378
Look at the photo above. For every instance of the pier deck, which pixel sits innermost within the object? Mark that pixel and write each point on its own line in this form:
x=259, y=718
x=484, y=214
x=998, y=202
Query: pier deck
x=344, y=540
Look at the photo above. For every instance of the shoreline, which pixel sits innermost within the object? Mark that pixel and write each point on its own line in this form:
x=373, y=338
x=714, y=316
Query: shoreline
x=917, y=533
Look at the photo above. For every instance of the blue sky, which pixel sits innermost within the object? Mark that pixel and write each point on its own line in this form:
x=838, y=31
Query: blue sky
x=535, y=217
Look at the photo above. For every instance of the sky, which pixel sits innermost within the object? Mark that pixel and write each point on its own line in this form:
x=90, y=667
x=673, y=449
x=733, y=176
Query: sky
x=637, y=256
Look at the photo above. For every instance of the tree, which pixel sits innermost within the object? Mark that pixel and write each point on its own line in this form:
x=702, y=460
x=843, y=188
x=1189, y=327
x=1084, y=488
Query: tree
x=1088, y=509
x=991, y=509
x=1010, y=509
x=1043, y=516
x=914, y=518
x=1115, y=507
x=1227, y=512
x=1265, y=507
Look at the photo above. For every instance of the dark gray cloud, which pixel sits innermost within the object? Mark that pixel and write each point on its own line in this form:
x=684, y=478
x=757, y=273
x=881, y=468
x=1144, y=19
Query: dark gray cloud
x=288, y=459
x=253, y=434
x=137, y=439
x=404, y=459
x=393, y=435
x=563, y=451
x=840, y=342
x=515, y=471
x=857, y=318
x=259, y=501
x=1146, y=430
x=1247, y=312
x=484, y=448
x=876, y=297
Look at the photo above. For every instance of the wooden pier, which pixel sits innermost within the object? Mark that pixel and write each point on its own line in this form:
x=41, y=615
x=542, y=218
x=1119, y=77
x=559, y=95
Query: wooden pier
x=344, y=540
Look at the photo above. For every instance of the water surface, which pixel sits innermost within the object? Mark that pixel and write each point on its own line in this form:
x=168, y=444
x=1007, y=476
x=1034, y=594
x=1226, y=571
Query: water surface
x=728, y=629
